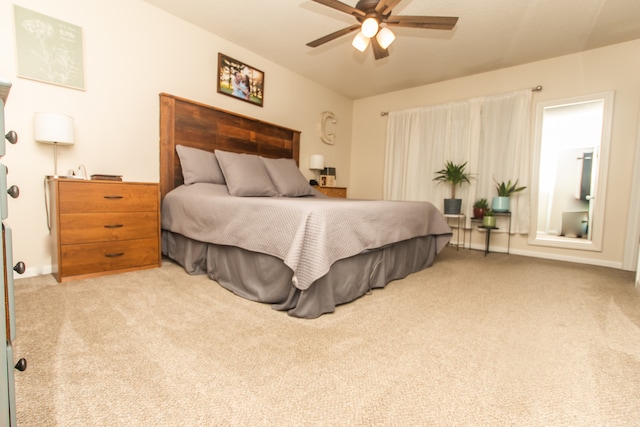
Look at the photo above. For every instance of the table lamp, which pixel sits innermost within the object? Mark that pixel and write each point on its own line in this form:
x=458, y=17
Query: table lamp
x=316, y=162
x=53, y=128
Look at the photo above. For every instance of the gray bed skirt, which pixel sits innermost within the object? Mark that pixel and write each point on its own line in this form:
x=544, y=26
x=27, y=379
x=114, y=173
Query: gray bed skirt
x=264, y=278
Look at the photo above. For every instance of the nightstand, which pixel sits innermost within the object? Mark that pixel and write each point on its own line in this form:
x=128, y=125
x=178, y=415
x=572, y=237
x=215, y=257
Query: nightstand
x=103, y=227
x=340, y=192
x=460, y=221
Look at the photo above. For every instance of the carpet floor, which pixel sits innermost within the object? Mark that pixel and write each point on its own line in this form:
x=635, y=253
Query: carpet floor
x=473, y=340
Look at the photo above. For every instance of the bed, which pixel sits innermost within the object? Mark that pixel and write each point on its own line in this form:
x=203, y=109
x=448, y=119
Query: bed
x=277, y=240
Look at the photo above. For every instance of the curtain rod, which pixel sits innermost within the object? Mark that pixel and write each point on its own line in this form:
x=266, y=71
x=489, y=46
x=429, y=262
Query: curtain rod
x=533, y=89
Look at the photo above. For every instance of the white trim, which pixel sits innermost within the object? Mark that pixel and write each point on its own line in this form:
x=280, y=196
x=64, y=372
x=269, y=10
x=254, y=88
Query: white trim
x=494, y=249
x=554, y=257
x=44, y=270
x=638, y=272
x=595, y=244
x=565, y=258
x=33, y=272
x=630, y=259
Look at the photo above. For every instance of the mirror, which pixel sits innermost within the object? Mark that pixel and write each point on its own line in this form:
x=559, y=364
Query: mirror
x=570, y=169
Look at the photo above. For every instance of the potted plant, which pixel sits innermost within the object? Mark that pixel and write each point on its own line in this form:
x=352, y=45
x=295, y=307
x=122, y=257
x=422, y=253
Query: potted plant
x=453, y=174
x=502, y=202
x=488, y=220
x=480, y=206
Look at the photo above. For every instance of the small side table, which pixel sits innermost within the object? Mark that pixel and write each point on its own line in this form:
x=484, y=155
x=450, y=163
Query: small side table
x=488, y=231
x=487, y=237
x=461, y=220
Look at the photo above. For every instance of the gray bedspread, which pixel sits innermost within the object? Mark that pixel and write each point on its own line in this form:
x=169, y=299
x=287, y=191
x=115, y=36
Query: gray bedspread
x=309, y=234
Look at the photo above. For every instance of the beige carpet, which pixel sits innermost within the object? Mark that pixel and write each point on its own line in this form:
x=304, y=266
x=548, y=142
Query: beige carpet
x=501, y=340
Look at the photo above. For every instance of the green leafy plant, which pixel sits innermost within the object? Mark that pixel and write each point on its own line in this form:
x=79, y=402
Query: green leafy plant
x=488, y=212
x=507, y=189
x=481, y=204
x=453, y=174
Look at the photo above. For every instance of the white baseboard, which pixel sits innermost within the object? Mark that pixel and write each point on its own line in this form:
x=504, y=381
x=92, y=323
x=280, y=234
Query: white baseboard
x=579, y=260
x=33, y=272
x=42, y=270
x=566, y=258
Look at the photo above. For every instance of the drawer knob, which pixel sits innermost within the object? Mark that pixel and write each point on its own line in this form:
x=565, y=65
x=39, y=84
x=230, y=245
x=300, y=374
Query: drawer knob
x=114, y=255
x=12, y=136
x=114, y=226
x=22, y=364
x=14, y=191
x=113, y=197
x=19, y=267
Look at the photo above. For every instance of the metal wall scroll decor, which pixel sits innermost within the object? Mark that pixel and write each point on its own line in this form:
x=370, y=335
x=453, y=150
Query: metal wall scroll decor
x=325, y=136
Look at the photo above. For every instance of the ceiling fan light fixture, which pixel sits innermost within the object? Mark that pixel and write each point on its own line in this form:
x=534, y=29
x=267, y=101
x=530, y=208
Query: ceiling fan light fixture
x=360, y=42
x=385, y=37
x=373, y=17
x=370, y=27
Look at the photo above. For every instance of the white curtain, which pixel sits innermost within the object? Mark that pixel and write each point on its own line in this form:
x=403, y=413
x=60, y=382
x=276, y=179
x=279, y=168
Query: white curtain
x=490, y=133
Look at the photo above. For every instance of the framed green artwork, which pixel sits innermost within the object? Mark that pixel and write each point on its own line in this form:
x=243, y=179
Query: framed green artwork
x=48, y=50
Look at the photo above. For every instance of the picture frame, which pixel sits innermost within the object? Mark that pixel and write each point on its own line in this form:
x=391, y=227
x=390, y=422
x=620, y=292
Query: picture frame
x=240, y=81
x=48, y=50
x=327, y=181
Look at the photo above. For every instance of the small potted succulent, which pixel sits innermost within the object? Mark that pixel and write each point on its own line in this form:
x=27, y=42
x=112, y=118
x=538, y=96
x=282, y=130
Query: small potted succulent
x=502, y=202
x=480, y=206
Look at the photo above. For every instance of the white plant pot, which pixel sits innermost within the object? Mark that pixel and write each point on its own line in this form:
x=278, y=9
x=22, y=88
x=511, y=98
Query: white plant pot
x=501, y=204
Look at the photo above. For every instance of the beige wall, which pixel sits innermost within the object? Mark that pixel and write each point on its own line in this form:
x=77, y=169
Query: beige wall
x=614, y=68
x=132, y=52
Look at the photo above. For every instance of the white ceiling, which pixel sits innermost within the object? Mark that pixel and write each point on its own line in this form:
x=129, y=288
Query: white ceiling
x=490, y=34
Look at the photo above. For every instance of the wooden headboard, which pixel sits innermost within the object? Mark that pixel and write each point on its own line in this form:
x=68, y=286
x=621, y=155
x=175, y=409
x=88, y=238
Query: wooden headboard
x=208, y=128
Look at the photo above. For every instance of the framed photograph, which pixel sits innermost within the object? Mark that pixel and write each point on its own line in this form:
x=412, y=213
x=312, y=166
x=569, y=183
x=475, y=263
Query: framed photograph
x=327, y=181
x=49, y=50
x=240, y=81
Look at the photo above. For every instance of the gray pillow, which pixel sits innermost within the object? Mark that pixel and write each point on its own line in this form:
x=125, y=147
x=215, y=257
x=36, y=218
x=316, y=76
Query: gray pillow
x=287, y=178
x=199, y=166
x=245, y=174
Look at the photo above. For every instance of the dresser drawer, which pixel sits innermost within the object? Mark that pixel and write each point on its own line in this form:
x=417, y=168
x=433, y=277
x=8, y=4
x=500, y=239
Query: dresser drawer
x=103, y=227
x=92, y=196
x=96, y=227
x=90, y=258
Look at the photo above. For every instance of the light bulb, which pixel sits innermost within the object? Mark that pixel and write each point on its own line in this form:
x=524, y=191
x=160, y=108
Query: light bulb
x=360, y=42
x=369, y=27
x=385, y=37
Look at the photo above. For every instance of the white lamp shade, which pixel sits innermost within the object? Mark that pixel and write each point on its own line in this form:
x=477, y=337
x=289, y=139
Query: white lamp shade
x=360, y=42
x=385, y=37
x=369, y=27
x=53, y=128
x=316, y=161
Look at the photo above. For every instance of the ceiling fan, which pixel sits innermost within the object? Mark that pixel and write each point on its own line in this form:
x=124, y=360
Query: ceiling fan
x=371, y=14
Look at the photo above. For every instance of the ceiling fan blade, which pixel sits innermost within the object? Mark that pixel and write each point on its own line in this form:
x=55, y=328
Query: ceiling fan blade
x=378, y=51
x=335, y=4
x=434, y=22
x=332, y=36
x=384, y=6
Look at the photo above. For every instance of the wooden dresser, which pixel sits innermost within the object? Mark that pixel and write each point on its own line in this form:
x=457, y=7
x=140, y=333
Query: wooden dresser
x=103, y=227
x=340, y=192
